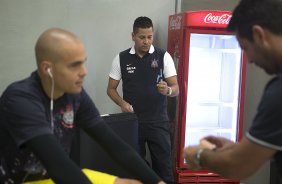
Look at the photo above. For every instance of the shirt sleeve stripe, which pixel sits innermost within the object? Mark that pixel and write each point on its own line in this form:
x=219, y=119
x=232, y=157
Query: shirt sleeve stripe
x=263, y=143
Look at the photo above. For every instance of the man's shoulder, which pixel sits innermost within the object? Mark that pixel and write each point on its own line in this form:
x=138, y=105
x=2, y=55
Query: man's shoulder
x=126, y=56
x=25, y=87
x=159, y=52
x=275, y=82
x=125, y=52
x=159, y=49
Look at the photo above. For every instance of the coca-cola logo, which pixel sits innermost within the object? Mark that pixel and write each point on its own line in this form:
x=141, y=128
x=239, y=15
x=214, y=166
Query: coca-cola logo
x=175, y=22
x=214, y=19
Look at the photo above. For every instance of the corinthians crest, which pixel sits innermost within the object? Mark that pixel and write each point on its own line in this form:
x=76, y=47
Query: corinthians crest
x=155, y=63
x=68, y=117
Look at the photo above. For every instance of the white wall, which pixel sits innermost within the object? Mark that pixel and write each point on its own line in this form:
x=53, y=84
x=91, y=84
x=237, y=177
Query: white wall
x=104, y=26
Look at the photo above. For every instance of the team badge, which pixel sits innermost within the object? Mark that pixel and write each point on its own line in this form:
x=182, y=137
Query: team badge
x=154, y=63
x=68, y=117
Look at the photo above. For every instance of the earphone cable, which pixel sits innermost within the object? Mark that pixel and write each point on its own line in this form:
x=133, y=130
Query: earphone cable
x=52, y=105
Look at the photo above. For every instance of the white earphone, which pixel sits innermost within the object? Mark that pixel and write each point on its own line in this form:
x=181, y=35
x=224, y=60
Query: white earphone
x=49, y=72
x=51, y=101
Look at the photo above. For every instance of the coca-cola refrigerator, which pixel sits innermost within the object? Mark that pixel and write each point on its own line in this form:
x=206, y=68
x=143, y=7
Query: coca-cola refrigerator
x=211, y=77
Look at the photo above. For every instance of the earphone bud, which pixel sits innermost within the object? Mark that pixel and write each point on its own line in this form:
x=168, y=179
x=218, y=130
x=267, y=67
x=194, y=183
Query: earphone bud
x=49, y=72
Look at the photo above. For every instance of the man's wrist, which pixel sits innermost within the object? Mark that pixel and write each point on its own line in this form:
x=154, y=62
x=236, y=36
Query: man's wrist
x=197, y=157
x=169, y=91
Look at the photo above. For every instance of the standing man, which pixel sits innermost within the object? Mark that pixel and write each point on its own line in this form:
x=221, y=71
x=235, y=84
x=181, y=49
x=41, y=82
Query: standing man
x=258, y=27
x=38, y=116
x=148, y=77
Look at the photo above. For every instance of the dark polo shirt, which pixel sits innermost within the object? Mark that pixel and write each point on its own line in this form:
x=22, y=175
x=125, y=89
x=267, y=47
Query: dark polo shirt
x=140, y=77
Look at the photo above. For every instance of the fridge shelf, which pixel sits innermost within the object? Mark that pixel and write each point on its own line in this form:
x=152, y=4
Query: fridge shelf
x=233, y=51
x=214, y=103
x=217, y=129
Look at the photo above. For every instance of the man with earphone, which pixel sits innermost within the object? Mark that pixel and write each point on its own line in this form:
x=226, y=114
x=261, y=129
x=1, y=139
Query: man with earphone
x=40, y=113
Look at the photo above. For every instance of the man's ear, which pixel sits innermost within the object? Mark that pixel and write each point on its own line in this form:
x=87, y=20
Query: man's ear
x=132, y=36
x=45, y=66
x=260, y=36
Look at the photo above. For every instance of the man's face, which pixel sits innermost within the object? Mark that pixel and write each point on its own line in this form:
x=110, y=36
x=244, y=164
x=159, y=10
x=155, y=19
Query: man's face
x=143, y=39
x=69, y=71
x=258, y=55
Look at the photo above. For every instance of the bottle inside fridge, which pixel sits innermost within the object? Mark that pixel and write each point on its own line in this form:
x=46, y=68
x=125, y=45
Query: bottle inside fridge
x=213, y=87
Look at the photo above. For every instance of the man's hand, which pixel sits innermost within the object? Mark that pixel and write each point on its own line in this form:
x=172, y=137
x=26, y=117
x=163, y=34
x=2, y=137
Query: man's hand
x=219, y=142
x=126, y=107
x=162, y=87
x=126, y=181
x=207, y=145
x=189, y=155
x=191, y=151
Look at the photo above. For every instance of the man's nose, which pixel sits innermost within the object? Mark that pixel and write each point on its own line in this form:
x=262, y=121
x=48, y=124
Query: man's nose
x=83, y=71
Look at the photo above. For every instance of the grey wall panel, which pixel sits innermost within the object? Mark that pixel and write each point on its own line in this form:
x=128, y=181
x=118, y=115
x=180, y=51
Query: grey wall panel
x=104, y=25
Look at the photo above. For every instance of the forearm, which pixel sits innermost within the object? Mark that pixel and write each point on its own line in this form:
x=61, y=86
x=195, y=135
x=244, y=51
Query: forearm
x=122, y=153
x=57, y=163
x=125, y=106
x=113, y=94
x=175, y=90
x=220, y=162
x=229, y=162
x=94, y=176
x=173, y=84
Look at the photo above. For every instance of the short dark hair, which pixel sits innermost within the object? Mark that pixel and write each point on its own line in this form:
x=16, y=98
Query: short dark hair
x=142, y=22
x=265, y=13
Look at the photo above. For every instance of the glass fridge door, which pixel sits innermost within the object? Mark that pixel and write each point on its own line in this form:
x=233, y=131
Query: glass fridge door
x=213, y=87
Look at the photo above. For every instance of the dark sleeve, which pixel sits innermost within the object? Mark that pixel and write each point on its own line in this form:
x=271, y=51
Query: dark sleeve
x=266, y=127
x=87, y=114
x=122, y=153
x=25, y=116
x=59, y=166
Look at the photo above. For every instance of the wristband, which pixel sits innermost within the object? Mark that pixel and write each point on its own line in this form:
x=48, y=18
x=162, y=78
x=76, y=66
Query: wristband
x=169, y=92
x=197, y=157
